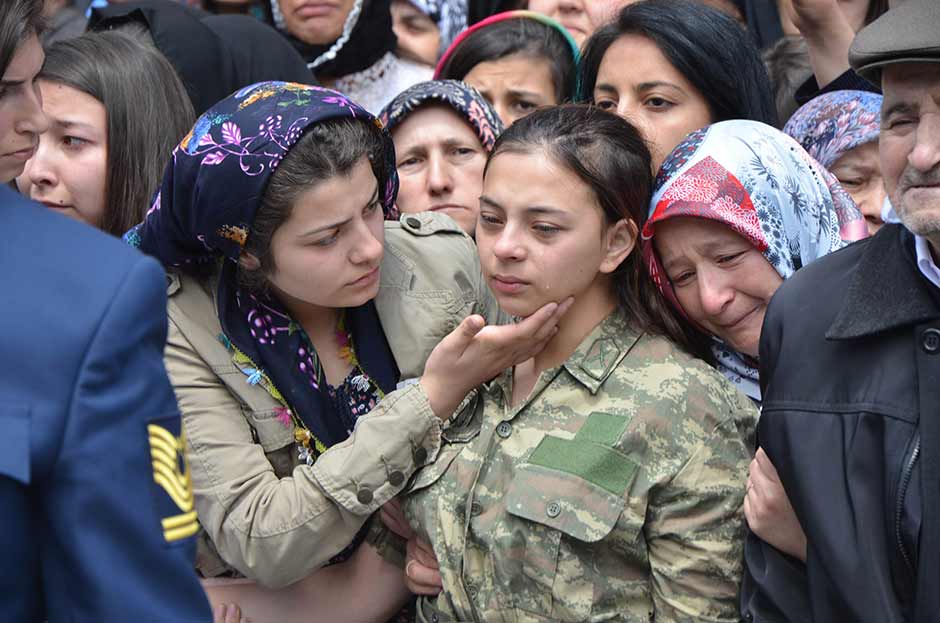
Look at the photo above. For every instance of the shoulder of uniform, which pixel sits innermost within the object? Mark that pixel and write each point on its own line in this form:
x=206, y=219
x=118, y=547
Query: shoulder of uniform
x=429, y=223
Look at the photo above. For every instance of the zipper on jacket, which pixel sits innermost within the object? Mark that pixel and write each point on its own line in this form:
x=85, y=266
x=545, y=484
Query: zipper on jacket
x=902, y=491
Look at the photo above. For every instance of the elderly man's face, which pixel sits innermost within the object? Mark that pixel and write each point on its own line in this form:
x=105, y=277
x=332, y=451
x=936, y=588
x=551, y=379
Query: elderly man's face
x=910, y=145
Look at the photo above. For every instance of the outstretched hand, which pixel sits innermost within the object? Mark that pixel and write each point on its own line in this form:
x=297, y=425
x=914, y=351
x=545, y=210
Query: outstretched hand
x=473, y=353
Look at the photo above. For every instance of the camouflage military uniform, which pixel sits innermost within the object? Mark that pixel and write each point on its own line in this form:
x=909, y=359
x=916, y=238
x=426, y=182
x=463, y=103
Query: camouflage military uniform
x=614, y=492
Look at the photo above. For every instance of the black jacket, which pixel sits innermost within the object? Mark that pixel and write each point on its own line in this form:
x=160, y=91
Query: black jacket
x=850, y=373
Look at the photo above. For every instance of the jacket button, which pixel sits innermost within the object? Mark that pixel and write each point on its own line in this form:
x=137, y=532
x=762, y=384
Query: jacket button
x=435, y=618
x=413, y=222
x=475, y=509
x=553, y=510
x=364, y=496
x=504, y=429
x=396, y=478
x=421, y=455
x=930, y=341
x=748, y=617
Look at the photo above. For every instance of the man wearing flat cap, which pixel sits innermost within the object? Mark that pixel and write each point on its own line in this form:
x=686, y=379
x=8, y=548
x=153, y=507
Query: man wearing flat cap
x=850, y=373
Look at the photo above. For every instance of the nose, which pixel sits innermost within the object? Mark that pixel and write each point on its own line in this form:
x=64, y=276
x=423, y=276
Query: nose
x=508, y=246
x=31, y=119
x=367, y=249
x=925, y=156
x=715, y=292
x=440, y=180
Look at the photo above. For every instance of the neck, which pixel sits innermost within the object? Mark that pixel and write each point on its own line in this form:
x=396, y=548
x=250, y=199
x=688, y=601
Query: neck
x=588, y=310
x=318, y=322
x=933, y=243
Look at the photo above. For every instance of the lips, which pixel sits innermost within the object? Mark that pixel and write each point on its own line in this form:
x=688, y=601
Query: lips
x=315, y=9
x=55, y=206
x=446, y=206
x=507, y=284
x=735, y=323
x=366, y=279
x=23, y=154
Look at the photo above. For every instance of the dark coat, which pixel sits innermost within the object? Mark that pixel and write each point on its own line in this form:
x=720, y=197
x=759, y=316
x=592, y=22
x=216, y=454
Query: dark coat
x=88, y=426
x=850, y=373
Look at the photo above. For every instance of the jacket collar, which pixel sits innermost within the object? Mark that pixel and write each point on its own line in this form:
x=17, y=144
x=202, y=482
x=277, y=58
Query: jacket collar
x=886, y=290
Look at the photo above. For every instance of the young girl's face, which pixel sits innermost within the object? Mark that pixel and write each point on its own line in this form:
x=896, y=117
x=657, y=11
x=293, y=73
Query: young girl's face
x=327, y=253
x=541, y=234
x=515, y=85
x=69, y=169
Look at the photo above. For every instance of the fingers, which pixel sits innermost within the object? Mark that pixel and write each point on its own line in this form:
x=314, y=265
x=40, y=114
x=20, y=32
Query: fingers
x=423, y=553
x=228, y=613
x=766, y=466
x=394, y=519
x=422, y=580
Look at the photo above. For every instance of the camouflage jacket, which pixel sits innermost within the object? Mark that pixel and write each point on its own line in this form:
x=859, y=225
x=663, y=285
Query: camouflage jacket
x=614, y=492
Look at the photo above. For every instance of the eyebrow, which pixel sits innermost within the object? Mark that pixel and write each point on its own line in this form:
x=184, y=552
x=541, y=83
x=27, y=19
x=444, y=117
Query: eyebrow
x=646, y=86
x=338, y=224
x=522, y=93
x=423, y=147
x=529, y=210
x=66, y=124
x=707, y=248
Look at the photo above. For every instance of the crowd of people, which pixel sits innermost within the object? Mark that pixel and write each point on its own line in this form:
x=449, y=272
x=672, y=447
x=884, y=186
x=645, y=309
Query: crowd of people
x=467, y=310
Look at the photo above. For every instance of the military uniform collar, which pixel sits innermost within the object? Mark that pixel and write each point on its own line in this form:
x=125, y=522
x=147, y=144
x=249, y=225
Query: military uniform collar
x=886, y=290
x=601, y=351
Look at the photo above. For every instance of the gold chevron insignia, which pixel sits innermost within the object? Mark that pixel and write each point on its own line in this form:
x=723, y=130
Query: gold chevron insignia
x=167, y=454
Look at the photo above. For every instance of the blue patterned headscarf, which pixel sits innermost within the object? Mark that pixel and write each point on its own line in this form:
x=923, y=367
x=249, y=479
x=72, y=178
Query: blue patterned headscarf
x=761, y=184
x=203, y=215
x=835, y=123
x=461, y=97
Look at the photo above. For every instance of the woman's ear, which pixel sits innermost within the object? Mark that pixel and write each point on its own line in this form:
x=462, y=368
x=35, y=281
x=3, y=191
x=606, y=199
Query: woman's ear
x=248, y=261
x=620, y=240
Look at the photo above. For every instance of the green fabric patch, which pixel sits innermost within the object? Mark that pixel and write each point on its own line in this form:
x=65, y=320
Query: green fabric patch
x=601, y=465
x=602, y=428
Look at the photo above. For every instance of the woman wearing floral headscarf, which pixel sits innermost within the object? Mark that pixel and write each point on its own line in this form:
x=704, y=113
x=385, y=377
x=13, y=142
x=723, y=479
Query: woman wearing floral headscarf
x=443, y=131
x=738, y=208
x=270, y=223
x=840, y=130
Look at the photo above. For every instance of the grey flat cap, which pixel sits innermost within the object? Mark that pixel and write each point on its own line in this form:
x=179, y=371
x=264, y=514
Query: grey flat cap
x=907, y=33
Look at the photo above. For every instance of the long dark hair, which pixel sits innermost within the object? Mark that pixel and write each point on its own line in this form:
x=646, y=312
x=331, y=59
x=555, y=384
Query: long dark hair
x=148, y=112
x=609, y=155
x=516, y=35
x=706, y=46
x=19, y=19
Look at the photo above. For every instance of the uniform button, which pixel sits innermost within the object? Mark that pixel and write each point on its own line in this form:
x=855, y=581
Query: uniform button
x=421, y=455
x=504, y=429
x=472, y=591
x=475, y=509
x=930, y=341
x=396, y=478
x=435, y=618
x=748, y=617
x=364, y=496
x=413, y=222
x=553, y=510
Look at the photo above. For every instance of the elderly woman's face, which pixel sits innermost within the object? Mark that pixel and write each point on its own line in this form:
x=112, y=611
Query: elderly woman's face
x=859, y=172
x=515, y=85
x=21, y=116
x=419, y=38
x=636, y=81
x=569, y=13
x=317, y=22
x=722, y=281
x=440, y=163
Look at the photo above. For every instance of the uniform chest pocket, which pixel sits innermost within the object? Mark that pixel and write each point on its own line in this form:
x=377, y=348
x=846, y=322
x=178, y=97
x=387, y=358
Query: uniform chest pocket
x=569, y=499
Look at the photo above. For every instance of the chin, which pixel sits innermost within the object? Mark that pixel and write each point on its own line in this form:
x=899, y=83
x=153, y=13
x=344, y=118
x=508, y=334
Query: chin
x=517, y=307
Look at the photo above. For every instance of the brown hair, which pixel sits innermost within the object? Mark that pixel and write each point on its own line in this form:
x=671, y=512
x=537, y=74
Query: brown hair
x=148, y=112
x=19, y=19
x=609, y=155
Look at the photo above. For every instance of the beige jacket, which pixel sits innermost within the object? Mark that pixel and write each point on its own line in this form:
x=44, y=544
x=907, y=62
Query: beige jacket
x=265, y=515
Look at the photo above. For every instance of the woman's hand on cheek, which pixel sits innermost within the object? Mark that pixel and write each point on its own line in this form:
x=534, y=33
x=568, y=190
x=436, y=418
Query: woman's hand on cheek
x=473, y=353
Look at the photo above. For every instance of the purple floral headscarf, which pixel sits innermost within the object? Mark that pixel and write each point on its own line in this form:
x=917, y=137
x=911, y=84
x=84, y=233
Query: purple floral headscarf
x=203, y=215
x=835, y=123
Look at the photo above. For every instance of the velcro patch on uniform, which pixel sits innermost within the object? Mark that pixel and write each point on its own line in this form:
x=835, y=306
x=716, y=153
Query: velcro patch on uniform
x=173, y=480
x=602, y=428
x=601, y=465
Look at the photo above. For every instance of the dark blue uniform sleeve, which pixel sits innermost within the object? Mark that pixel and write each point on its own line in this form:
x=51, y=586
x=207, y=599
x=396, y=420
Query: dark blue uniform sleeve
x=119, y=545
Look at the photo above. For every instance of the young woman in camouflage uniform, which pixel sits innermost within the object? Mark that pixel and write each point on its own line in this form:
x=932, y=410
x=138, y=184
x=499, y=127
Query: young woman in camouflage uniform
x=603, y=479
